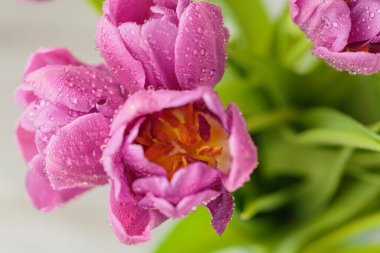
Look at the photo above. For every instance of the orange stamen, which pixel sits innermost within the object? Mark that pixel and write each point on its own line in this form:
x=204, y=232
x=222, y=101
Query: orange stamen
x=156, y=150
x=169, y=117
x=187, y=134
x=143, y=140
x=190, y=115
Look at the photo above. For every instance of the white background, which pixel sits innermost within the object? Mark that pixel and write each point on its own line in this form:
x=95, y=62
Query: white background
x=81, y=226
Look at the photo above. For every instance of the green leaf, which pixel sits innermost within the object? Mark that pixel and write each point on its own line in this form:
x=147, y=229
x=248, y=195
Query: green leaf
x=269, y=119
x=362, y=235
x=266, y=203
x=330, y=127
x=97, y=4
x=195, y=234
x=319, y=190
x=322, y=169
x=252, y=18
x=348, y=204
x=232, y=88
x=280, y=156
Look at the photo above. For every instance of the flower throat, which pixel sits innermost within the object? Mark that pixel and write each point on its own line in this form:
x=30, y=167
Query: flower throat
x=180, y=136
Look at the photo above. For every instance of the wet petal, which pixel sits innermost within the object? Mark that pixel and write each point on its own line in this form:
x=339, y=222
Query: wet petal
x=25, y=141
x=128, y=71
x=355, y=62
x=170, y=4
x=365, y=19
x=190, y=187
x=221, y=210
x=191, y=180
x=146, y=102
x=50, y=56
x=79, y=88
x=326, y=22
x=73, y=154
x=153, y=45
x=48, y=116
x=200, y=49
x=131, y=223
x=122, y=11
x=183, y=208
x=43, y=196
x=161, y=36
x=242, y=150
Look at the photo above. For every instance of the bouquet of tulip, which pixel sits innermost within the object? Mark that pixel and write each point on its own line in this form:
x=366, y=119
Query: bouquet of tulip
x=187, y=104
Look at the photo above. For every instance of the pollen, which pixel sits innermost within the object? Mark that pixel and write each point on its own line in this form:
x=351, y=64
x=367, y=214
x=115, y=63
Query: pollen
x=177, y=137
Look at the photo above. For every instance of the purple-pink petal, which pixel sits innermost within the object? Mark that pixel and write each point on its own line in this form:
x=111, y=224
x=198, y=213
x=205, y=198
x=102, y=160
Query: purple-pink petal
x=200, y=55
x=187, y=204
x=131, y=223
x=326, y=23
x=188, y=181
x=43, y=57
x=49, y=56
x=221, y=210
x=153, y=45
x=122, y=11
x=365, y=19
x=43, y=196
x=25, y=141
x=243, y=152
x=355, y=62
x=127, y=70
x=161, y=36
x=73, y=154
x=79, y=88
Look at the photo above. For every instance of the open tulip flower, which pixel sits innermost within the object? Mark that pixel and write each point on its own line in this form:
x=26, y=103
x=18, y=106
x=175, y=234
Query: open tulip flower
x=345, y=33
x=68, y=107
x=171, y=151
x=171, y=44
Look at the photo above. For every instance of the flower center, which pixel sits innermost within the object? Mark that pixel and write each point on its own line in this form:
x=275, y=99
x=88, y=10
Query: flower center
x=175, y=138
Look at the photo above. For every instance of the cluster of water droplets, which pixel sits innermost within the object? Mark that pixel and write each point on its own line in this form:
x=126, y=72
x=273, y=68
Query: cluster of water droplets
x=205, y=42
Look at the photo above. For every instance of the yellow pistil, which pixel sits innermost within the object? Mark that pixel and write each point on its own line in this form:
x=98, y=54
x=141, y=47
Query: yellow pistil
x=174, y=139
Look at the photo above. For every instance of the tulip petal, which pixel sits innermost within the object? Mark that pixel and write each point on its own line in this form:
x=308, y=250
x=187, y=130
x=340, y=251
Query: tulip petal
x=326, y=22
x=79, y=88
x=355, y=62
x=153, y=45
x=122, y=11
x=365, y=19
x=131, y=223
x=188, y=181
x=183, y=208
x=25, y=141
x=50, y=56
x=170, y=4
x=127, y=70
x=43, y=57
x=221, y=210
x=150, y=102
x=161, y=36
x=43, y=196
x=242, y=150
x=190, y=187
x=200, y=48
x=73, y=154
